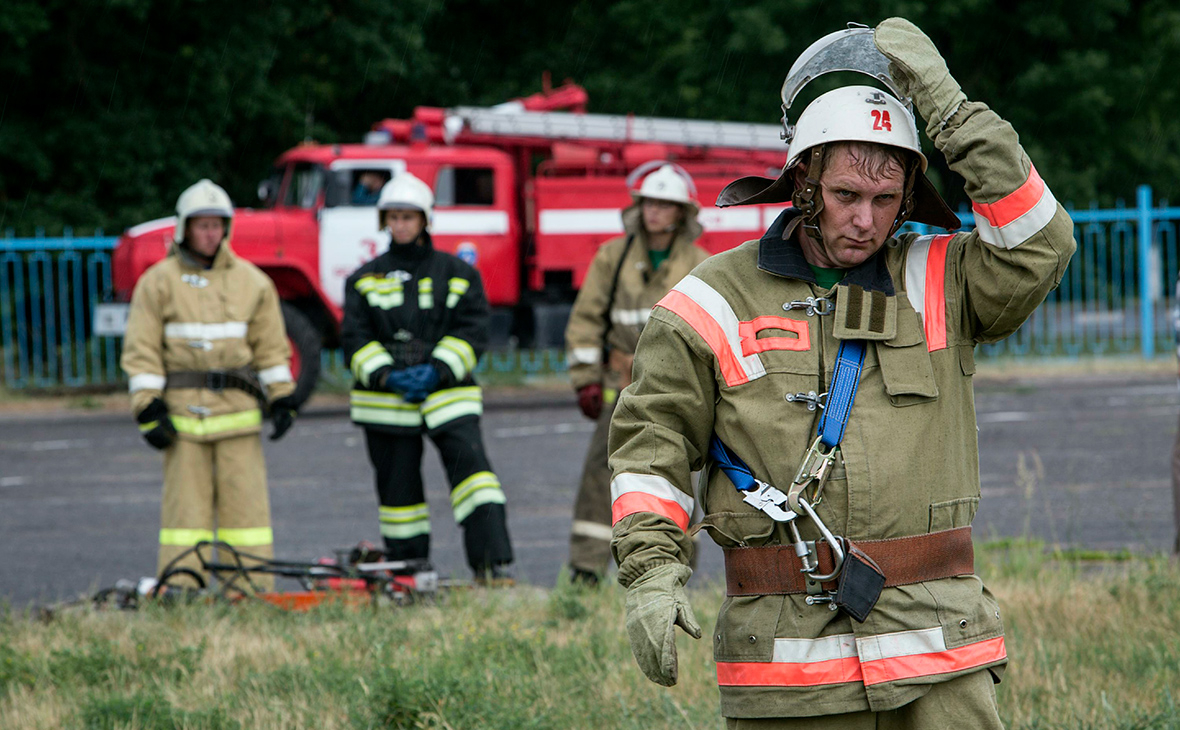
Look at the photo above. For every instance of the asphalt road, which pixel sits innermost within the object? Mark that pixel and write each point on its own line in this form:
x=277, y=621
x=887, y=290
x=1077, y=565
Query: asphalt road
x=1082, y=462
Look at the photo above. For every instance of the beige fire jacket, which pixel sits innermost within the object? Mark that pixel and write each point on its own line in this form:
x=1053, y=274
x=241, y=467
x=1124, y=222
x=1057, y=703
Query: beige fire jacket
x=637, y=291
x=724, y=349
x=187, y=318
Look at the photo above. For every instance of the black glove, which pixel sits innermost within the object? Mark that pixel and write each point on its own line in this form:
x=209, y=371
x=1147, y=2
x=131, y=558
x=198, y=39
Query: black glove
x=282, y=414
x=155, y=425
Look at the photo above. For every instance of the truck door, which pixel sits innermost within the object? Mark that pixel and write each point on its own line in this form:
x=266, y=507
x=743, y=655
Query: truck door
x=349, y=236
x=472, y=221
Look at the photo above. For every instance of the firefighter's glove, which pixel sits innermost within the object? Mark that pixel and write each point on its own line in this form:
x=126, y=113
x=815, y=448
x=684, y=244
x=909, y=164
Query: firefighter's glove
x=398, y=381
x=656, y=604
x=590, y=400
x=282, y=414
x=422, y=381
x=920, y=72
x=155, y=424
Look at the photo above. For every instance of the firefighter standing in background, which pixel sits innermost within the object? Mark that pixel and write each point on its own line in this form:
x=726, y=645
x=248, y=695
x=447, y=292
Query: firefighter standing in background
x=737, y=352
x=205, y=343
x=628, y=275
x=415, y=324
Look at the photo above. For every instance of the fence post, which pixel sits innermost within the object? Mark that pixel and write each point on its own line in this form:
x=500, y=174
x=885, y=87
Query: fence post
x=1146, y=305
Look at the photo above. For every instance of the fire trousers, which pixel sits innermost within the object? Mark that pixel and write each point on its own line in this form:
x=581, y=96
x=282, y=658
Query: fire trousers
x=964, y=702
x=477, y=499
x=215, y=491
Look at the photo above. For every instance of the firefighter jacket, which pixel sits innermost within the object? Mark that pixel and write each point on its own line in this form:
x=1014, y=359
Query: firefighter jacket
x=411, y=305
x=638, y=289
x=186, y=318
x=730, y=342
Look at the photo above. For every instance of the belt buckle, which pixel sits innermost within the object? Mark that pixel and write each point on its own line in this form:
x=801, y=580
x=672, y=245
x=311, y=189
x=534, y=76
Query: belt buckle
x=216, y=381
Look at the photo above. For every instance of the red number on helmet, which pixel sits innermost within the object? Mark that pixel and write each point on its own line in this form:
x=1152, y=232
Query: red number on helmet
x=881, y=121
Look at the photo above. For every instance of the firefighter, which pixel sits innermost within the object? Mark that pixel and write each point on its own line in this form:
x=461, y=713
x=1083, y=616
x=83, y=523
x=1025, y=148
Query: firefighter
x=205, y=346
x=628, y=275
x=415, y=324
x=728, y=376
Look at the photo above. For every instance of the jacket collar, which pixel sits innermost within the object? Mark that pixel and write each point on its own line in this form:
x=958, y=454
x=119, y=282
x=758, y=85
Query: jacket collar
x=223, y=259
x=784, y=257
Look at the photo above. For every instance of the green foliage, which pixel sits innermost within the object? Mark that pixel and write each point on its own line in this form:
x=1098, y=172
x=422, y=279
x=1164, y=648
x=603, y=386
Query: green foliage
x=108, y=110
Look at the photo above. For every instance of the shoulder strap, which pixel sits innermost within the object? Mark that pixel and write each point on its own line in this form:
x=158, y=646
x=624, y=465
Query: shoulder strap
x=610, y=298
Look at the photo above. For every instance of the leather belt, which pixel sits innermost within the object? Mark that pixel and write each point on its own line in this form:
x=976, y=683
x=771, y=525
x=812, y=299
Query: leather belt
x=216, y=380
x=776, y=569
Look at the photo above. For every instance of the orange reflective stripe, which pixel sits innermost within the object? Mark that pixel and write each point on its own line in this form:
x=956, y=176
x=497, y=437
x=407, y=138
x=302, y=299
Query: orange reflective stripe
x=779, y=674
x=752, y=345
x=934, y=311
x=1015, y=204
x=710, y=331
x=942, y=662
x=631, y=503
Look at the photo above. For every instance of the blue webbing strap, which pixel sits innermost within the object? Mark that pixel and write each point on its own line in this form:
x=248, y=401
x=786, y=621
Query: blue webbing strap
x=849, y=361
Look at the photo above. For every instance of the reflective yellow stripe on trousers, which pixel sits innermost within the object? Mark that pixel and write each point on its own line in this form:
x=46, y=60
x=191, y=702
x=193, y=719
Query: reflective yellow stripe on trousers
x=217, y=424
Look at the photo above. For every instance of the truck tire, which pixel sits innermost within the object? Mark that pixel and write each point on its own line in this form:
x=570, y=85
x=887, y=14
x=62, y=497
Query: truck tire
x=305, y=351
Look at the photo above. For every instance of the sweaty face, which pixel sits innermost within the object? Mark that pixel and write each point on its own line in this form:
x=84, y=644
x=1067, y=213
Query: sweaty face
x=660, y=216
x=405, y=225
x=203, y=234
x=858, y=213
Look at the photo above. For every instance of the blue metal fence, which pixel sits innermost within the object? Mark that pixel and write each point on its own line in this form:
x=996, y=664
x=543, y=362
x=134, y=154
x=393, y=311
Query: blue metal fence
x=1116, y=298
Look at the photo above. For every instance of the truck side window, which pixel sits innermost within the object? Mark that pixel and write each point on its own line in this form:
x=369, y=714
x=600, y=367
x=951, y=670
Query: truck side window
x=303, y=190
x=464, y=186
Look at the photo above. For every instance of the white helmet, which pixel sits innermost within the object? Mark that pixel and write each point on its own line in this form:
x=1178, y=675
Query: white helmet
x=847, y=114
x=667, y=183
x=405, y=192
x=203, y=198
x=855, y=114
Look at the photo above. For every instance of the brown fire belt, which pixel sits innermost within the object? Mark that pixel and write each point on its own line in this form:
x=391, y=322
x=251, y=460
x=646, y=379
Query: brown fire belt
x=776, y=569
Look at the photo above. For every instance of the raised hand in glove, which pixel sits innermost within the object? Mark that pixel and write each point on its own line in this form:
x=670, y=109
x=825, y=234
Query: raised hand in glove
x=590, y=400
x=155, y=424
x=656, y=605
x=919, y=70
x=282, y=414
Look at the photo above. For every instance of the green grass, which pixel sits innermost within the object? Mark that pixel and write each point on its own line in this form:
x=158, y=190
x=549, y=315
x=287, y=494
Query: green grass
x=1094, y=644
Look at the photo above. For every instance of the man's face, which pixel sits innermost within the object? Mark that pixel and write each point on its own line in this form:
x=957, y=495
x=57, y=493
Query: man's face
x=203, y=234
x=371, y=181
x=660, y=216
x=405, y=225
x=858, y=213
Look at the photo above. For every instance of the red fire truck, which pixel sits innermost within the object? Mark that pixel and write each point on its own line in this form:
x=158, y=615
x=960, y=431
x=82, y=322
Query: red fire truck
x=526, y=191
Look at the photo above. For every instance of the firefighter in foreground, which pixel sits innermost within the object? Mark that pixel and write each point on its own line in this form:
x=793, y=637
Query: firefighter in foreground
x=727, y=377
x=205, y=345
x=628, y=275
x=415, y=324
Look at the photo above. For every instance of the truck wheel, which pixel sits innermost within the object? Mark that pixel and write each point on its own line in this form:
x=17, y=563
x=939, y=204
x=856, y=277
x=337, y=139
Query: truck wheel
x=305, y=351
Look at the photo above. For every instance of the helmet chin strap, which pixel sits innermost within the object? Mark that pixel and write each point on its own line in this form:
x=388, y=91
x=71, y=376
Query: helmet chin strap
x=808, y=199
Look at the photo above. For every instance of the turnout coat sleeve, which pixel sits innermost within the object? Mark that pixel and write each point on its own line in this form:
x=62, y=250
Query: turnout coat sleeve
x=585, y=332
x=465, y=337
x=1023, y=238
x=366, y=356
x=143, y=344
x=659, y=435
x=267, y=337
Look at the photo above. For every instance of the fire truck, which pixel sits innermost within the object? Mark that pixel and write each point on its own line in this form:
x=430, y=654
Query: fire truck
x=525, y=191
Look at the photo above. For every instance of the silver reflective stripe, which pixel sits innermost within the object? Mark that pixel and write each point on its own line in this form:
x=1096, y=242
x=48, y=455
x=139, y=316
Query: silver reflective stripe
x=811, y=651
x=630, y=317
x=205, y=330
x=901, y=643
x=585, y=355
x=915, y=273
x=146, y=381
x=593, y=530
x=277, y=374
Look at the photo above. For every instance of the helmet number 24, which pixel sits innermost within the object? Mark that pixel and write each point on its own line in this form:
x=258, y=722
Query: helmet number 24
x=881, y=120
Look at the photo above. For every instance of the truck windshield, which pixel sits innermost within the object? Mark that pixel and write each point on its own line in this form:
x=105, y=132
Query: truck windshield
x=304, y=186
x=268, y=189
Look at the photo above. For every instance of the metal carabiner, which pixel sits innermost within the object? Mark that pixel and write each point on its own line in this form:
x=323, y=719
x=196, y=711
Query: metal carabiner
x=832, y=540
x=811, y=306
x=768, y=499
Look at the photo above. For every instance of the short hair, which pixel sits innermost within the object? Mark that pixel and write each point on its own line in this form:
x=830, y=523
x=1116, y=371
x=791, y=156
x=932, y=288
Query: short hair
x=870, y=159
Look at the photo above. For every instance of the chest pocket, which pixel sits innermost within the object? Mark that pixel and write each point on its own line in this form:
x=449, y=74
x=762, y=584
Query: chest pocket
x=905, y=363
